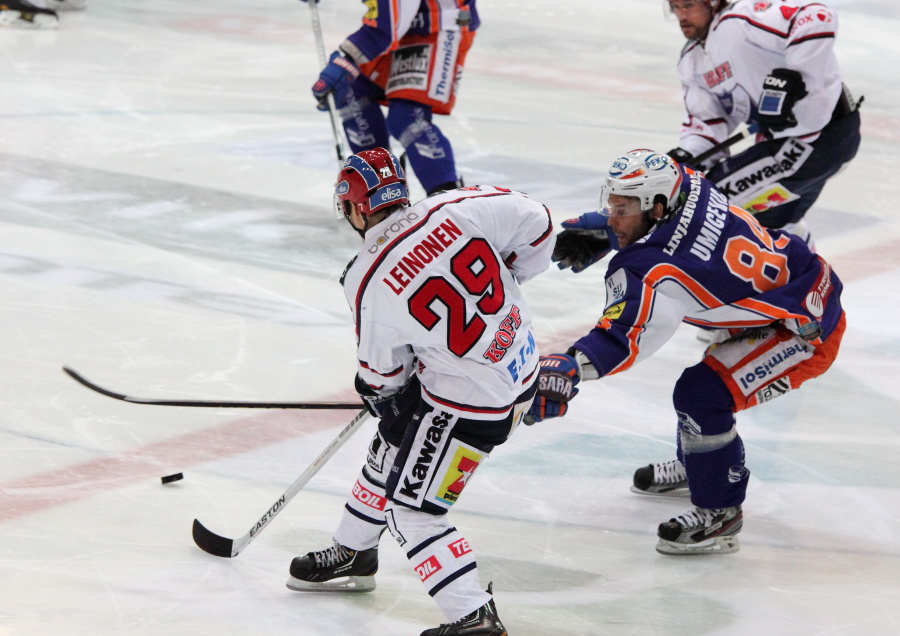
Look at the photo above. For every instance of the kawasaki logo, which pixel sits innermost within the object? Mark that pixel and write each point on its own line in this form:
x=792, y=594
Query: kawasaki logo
x=427, y=448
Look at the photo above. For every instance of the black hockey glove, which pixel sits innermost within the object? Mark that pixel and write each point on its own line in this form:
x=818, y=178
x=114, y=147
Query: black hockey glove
x=781, y=90
x=376, y=404
x=556, y=386
x=681, y=156
x=583, y=242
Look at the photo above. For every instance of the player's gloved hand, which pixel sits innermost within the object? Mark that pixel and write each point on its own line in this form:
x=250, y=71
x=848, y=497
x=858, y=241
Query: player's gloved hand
x=375, y=403
x=681, y=156
x=335, y=78
x=556, y=386
x=584, y=241
x=782, y=88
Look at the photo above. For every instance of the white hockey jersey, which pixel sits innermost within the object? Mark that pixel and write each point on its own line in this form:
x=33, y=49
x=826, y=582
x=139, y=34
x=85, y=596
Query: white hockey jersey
x=723, y=77
x=434, y=291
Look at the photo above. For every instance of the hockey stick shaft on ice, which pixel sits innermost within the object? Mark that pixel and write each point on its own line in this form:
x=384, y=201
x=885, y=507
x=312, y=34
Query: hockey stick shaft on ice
x=218, y=404
x=320, y=49
x=220, y=546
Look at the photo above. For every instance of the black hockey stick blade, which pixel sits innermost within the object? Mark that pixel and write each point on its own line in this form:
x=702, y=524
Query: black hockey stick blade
x=209, y=403
x=212, y=543
x=218, y=546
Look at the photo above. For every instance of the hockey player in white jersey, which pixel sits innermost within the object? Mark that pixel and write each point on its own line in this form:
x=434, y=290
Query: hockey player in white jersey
x=447, y=360
x=772, y=64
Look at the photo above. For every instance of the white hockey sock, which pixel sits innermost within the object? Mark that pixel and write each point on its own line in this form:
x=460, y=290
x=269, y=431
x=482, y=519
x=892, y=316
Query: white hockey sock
x=441, y=557
x=363, y=520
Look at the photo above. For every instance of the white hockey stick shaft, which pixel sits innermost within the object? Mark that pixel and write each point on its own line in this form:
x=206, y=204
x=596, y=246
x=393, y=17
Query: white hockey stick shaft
x=223, y=547
x=332, y=109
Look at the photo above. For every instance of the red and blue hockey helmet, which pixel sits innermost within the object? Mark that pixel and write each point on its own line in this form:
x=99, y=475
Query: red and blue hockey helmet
x=372, y=180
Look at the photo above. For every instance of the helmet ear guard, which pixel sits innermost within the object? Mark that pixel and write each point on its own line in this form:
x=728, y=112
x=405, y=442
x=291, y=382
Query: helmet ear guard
x=371, y=180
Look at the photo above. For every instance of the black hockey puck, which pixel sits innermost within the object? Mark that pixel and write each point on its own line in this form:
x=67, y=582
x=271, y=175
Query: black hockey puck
x=168, y=479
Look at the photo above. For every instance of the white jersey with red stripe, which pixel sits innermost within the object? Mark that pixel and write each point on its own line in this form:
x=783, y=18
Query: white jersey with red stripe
x=711, y=265
x=722, y=78
x=435, y=291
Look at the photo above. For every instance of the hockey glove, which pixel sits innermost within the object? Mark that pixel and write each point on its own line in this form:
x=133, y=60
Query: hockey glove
x=335, y=78
x=376, y=404
x=781, y=90
x=583, y=242
x=556, y=386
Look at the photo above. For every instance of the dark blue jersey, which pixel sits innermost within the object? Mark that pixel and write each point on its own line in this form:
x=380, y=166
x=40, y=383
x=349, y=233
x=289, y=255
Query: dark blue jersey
x=711, y=265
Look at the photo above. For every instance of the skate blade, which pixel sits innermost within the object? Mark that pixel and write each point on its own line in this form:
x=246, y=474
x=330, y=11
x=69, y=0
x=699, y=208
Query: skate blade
x=681, y=493
x=346, y=585
x=716, y=545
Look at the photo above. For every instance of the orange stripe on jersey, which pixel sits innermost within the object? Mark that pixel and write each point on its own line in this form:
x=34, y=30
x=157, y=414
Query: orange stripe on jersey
x=395, y=16
x=661, y=272
x=635, y=332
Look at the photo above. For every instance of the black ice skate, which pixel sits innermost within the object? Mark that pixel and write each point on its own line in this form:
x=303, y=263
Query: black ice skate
x=482, y=622
x=21, y=14
x=701, y=531
x=667, y=479
x=335, y=569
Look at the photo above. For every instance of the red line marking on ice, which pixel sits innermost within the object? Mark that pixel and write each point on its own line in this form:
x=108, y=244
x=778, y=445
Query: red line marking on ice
x=871, y=261
x=36, y=493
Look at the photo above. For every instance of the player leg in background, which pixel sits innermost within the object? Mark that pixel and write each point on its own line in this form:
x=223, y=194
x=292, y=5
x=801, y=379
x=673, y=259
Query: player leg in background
x=427, y=149
x=22, y=14
x=779, y=198
x=362, y=117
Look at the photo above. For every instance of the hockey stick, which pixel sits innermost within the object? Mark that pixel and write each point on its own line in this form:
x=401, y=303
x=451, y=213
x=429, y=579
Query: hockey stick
x=209, y=403
x=320, y=49
x=728, y=143
x=227, y=548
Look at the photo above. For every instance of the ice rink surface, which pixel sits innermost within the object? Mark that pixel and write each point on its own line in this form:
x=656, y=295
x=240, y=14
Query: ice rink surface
x=165, y=229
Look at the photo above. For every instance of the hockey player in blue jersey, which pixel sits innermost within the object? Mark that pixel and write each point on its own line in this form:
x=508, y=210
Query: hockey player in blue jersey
x=686, y=255
x=408, y=55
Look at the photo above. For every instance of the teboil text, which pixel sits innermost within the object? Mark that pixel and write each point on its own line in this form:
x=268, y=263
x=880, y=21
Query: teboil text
x=414, y=261
x=367, y=497
x=460, y=547
x=433, y=437
x=428, y=567
x=274, y=510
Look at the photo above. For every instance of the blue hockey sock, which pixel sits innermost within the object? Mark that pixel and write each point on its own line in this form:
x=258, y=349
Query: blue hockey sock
x=363, y=118
x=427, y=149
x=713, y=451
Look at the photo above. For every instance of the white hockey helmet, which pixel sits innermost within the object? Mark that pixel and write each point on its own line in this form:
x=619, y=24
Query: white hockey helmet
x=646, y=175
x=712, y=5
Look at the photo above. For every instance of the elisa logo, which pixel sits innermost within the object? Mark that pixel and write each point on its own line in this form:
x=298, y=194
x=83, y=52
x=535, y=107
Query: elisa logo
x=389, y=194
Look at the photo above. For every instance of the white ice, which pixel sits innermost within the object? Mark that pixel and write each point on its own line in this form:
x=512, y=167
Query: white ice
x=165, y=229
